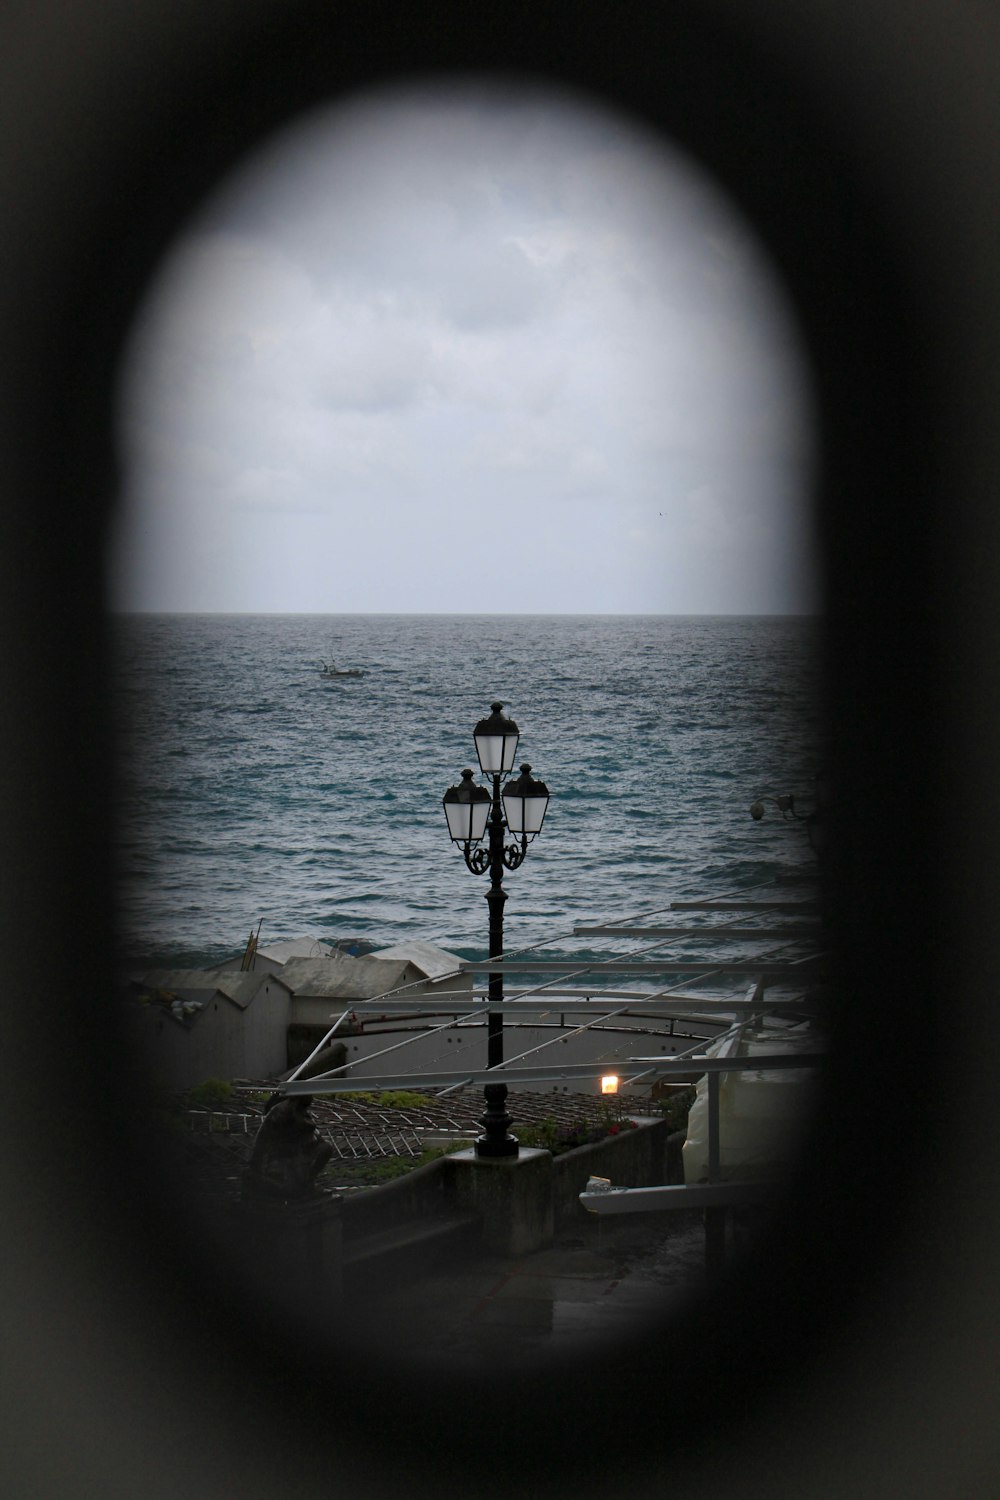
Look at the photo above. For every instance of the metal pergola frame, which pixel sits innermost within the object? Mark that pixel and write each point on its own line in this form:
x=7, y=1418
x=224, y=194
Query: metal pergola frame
x=629, y=1071
x=576, y=989
x=563, y=994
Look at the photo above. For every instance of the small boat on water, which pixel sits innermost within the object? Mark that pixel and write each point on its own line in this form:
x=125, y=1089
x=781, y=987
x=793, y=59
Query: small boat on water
x=330, y=669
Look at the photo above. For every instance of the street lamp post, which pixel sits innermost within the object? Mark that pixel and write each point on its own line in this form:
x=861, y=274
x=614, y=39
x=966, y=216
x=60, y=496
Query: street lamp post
x=473, y=813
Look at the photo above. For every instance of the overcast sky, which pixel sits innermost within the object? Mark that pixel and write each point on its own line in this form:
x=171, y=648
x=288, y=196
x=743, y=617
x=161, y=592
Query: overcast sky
x=455, y=350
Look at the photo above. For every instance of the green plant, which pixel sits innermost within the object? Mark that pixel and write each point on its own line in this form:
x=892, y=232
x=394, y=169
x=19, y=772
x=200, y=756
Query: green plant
x=433, y=1153
x=402, y=1099
x=384, y=1170
x=214, y=1093
x=613, y=1112
x=676, y=1106
x=549, y=1135
x=373, y=1172
x=389, y=1099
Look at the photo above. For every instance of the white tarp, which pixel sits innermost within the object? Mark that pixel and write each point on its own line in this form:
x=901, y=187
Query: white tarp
x=761, y=1114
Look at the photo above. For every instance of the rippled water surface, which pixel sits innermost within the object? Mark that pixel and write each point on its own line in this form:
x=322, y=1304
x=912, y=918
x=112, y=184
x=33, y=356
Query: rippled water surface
x=253, y=788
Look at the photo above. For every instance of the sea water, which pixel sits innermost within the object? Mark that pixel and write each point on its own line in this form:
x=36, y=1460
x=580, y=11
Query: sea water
x=253, y=790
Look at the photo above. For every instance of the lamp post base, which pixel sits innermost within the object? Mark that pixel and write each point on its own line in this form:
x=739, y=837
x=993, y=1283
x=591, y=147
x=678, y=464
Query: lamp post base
x=495, y=1140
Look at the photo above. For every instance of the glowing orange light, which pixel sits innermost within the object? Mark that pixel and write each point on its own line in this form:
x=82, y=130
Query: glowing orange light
x=609, y=1083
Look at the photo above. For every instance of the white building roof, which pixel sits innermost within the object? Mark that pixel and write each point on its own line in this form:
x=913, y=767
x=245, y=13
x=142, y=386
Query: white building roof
x=341, y=977
x=308, y=967
x=273, y=958
x=300, y=947
x=432, y=962
x=201, y=984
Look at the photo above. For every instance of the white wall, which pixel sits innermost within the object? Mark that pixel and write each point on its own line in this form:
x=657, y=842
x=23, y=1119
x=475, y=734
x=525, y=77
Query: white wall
x=223, y=1042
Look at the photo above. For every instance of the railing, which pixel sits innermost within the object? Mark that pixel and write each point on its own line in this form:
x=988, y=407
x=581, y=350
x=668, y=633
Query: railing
x=354, y=1143
x=224, y=1121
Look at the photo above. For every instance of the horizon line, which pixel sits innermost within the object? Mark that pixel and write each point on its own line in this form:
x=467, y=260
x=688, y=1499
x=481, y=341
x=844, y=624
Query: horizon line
x=612, y=614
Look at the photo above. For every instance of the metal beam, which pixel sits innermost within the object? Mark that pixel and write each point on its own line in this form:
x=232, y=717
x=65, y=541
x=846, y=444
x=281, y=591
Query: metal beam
x=627, y=1069
x=804, y=908
x=558, y=1000
x=697, y=1062
x=678, y=1196
x=729, y=934
x=792, y=969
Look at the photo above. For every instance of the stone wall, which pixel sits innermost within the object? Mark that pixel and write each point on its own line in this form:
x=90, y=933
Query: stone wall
x=633, y=1158
x=644, y=1157
x=417, y=1195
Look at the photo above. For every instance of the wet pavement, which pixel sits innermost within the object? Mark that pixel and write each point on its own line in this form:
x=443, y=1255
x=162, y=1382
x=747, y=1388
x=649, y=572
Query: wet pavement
x=604, y=1283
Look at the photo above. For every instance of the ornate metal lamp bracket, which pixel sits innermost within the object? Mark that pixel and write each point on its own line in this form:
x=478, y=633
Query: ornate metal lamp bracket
x=478, y=860
x=513, y=854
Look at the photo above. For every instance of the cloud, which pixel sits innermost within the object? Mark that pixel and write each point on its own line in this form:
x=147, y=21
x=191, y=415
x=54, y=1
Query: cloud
x=463, y=301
